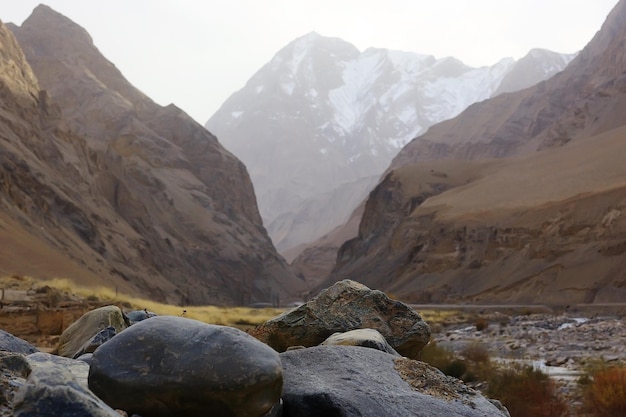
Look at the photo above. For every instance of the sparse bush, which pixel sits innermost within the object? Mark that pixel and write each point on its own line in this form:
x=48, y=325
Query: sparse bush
x=481, y=324
x=476, y=352
x=606, y=393
x=436, y=356
x=526, y=392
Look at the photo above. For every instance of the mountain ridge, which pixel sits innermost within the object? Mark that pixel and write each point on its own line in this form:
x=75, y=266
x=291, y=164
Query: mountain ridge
x=156, y=203
x=518, y=199
x=322, y=114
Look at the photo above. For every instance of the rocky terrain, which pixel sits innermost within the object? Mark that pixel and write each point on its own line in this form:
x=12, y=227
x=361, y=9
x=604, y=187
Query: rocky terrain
x=518, y=199
x=111, y=364
x=319, y=123
x=103, y=186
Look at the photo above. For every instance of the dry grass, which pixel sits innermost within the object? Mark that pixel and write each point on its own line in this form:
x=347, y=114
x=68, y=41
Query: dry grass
x=227, y=316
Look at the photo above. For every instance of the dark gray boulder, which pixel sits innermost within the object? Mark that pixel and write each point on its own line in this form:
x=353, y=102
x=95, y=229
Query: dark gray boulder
x=169, y=366
x=97, y=340
x=347, y=305
x=52, y=391
x=14, y=344
x=352, y=381
x=368, y=338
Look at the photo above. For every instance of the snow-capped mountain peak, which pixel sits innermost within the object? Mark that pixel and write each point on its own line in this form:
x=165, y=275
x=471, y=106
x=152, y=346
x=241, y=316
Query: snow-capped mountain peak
x=322, y=113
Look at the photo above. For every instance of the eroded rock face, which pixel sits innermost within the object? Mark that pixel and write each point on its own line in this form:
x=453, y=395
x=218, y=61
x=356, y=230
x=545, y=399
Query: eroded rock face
x=345, y=306
x=175, y=366
x=351, y=381
x=104, y=186
x=76, y=338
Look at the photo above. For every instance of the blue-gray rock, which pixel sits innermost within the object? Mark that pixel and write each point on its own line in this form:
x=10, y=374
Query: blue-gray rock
x=52, y=391
x=100, y=338
x=139, y=315
x=351, y=381
x=14, y=344
x=80, y=332
x=176, y=366
x=347, y=305
x=368, y=338
x=79, y=369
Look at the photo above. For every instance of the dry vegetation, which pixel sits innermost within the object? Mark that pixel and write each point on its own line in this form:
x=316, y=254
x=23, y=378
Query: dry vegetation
x=227, y=316
x=527, y=392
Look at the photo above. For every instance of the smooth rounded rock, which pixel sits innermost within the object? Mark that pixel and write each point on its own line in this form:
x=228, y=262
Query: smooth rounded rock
x=168, y=366
x=14, y=344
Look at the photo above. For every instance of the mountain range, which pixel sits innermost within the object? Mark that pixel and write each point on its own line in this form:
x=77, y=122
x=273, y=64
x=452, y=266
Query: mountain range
x=521, y=198
x=319, y=123
x=105, y=187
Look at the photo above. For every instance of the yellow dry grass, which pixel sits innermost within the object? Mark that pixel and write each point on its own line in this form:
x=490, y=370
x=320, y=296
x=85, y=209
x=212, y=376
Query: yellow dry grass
x=227, y=316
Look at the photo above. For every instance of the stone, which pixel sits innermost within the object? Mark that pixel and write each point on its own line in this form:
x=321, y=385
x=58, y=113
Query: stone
x=139, y=315
x=79, y=369
x=369, y=338
x=177, y=366
x=14, y=371
x=52, y=391
x=345, y=306
x=80, y=332
x=14, y=344
x=350, y=381
x=92, y=344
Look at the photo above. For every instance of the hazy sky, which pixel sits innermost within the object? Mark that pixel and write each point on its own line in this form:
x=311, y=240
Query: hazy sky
x=195, y=53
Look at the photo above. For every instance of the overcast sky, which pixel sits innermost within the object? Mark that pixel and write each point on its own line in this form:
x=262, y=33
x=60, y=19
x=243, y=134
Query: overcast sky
x=196, y=53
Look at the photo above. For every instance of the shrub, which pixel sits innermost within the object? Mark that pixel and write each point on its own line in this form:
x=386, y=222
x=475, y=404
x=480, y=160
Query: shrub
x=606, y=393
x=526, y=392
x=481, y=324
x=476, y=352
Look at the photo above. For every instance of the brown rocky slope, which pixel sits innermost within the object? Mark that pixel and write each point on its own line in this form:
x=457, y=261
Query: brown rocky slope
x=544, y=222
x=113, y=189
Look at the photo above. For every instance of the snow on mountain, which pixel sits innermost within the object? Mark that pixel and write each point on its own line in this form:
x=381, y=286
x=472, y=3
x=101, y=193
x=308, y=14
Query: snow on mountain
x=322, y=114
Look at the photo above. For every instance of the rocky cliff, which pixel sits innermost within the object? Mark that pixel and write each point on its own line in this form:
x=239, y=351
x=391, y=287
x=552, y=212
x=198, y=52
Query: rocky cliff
x=151, y=197
x=542, y=222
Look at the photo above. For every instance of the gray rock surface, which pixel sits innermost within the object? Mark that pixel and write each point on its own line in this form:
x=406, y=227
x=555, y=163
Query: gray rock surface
x=14, y=344
x=14, y=370
x=52, y=391
x=347, y=305
x=74, y=338
x=369, y=338
x=97, y=340
x=79, y=369
x=176, y=366
x=354, y=382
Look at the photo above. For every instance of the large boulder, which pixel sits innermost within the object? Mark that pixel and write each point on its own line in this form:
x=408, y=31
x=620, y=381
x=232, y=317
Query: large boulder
x=74, y=338
x=14, y=344
x=169, y=366
x=52, y=391
x=347, y=305
x=368, y=338
x=355, y=382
